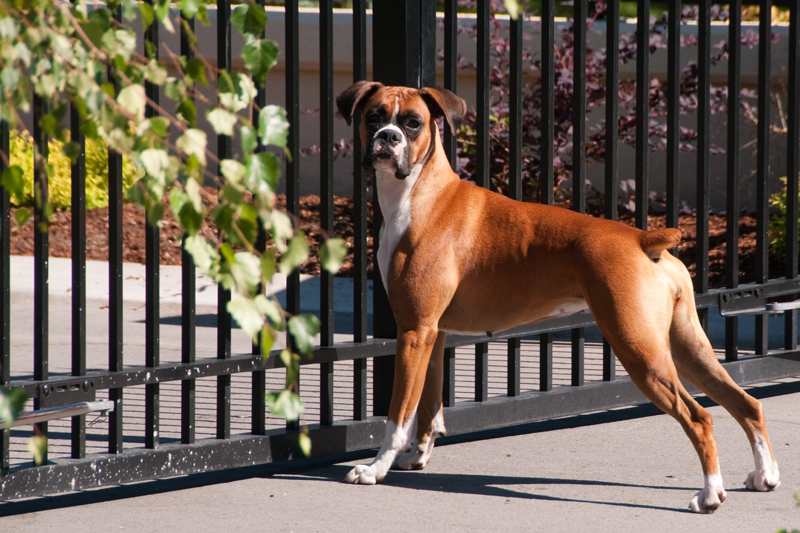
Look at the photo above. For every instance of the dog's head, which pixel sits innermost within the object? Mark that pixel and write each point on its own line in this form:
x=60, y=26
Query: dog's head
x=397, y=126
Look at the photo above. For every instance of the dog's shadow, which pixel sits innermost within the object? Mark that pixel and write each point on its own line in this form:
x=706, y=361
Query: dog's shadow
x=488, y=485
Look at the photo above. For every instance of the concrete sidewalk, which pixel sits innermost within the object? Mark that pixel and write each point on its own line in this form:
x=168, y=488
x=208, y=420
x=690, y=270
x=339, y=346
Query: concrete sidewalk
x=623, y=470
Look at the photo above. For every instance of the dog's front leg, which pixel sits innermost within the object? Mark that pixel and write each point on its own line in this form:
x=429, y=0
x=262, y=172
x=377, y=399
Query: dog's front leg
x=411, y=362
x=430, y=420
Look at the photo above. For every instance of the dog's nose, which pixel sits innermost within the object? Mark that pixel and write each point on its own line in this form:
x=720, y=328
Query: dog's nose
x=389, y=136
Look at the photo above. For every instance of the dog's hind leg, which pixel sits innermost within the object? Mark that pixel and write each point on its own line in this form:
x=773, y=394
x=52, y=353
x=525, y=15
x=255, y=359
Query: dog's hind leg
x=657, y=378
x=696, y=361
x=411, y=364
x=430, y=421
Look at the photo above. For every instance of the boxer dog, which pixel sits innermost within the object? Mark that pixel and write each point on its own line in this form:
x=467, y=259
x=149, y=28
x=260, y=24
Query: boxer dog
x=448, y=249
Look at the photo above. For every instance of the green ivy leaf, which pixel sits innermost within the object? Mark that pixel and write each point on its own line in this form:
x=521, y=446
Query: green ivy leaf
x=332, y=254
x=268, y=264
x=37, y=445
x=295, y=255
x=266, y=342
x=232, y=170
x=270, y=309
x=159, y=126
x=202, y=252
x=222, y=121
x=259, y=57
x=249, y=139
x=188, y=112
x=190, y=7
x=22, y=215
x=262, y=172
x=193, y=143
x=247, y=315
x=303, y=328
x=273, y=126
x=71, y=150
x=246, y=270
x=281, y=228
x=249, y=19
x=196, y=70
x=285, y=404
x=12, y=402
x=177, y=199
x=304, y=441
x=132, y=100
x=148, y=16
x=155, y=163
x=13, y=181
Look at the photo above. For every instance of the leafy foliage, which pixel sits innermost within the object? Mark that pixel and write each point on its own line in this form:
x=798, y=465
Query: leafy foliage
x=499, y=46
x=777, y=223
x=60, y=183
x=62, y=52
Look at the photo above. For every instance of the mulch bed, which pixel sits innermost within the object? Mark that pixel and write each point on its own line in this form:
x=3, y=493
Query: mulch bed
x=134, y=237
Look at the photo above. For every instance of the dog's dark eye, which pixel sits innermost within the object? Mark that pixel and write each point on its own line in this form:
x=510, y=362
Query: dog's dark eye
x=374, y=120
x=413, y=124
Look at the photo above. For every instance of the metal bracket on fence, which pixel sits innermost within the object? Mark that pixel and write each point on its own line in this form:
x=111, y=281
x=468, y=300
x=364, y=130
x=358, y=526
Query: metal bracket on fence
x=742, y=302
x=54, y=413
x=780, y=307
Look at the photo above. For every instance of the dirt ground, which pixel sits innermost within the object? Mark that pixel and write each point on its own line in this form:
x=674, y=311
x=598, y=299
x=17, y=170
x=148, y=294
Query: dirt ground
x=170, y=237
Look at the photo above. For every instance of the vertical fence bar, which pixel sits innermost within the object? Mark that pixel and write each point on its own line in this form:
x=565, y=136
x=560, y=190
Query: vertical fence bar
x=292, y=52
x=762, y=165
x=451, y=71
x=673, y=112
x=5, y=295
x=612, y=135
x=642, y=111
x=546, y=362
x=326, y=199
x=732, y=200
x=78, y=178
x=703, y=144
x=115, y=243
x=41, y=330
x=152, y=260
x=579, y=154
x=225, y=151
x=360, y=317
x=547, y=80
x=450, y=140
x=188, y=301
x=515, y=169
x=482, y=174
x=258, y=378
x=546, y=179
x=449, y=382
x=612, y=110
x=792, y=168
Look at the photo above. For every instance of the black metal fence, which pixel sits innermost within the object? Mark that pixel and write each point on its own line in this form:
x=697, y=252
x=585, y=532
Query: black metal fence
x=506, y=379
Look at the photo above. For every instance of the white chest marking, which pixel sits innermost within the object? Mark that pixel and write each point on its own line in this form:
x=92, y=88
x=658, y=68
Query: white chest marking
x=395, y=197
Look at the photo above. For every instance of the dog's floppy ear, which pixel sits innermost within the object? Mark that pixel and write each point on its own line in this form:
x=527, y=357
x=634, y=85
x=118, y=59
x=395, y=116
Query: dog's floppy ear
x=443, y=103
x=353, y=95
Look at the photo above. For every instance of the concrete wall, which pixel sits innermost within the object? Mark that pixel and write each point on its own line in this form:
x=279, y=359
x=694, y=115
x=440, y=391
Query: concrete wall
x=343, y=77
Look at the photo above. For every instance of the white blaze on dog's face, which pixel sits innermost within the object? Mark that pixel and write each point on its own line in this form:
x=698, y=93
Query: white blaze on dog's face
x=395, y=130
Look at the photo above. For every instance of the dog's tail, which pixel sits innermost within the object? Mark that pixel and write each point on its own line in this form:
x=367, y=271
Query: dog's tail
x=653, y=242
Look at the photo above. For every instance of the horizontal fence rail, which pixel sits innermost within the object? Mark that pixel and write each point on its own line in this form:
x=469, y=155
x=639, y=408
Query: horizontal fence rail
x=151, y=411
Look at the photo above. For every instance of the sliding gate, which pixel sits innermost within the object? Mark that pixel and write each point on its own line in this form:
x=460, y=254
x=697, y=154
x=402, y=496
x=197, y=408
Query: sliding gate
x=202, y=407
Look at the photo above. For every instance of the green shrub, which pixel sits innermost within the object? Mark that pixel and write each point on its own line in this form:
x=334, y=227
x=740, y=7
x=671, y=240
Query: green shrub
x=60, y=184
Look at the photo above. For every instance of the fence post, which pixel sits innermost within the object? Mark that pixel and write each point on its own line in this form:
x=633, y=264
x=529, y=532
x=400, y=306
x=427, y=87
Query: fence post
x=402, y=32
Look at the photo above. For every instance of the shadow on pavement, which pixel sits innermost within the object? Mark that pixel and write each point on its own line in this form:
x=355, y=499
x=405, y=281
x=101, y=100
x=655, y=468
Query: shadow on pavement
x=327, y=471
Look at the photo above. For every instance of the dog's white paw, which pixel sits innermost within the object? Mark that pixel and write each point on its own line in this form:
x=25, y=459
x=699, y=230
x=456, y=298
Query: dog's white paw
x=710, y=498
x=764, y=480
x=364, y=475
x=415, y=458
